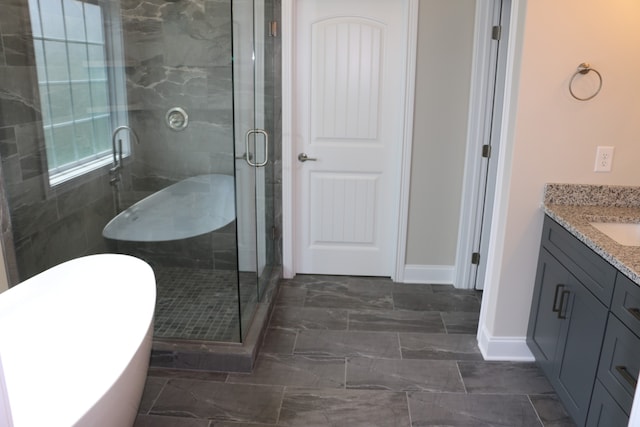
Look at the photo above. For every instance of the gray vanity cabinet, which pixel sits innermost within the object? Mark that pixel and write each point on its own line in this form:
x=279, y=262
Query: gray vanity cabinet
x=568, y=318
x=565, y=334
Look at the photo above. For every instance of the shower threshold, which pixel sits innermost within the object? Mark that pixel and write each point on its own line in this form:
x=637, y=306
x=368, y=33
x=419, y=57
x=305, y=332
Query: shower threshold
x=218, y=356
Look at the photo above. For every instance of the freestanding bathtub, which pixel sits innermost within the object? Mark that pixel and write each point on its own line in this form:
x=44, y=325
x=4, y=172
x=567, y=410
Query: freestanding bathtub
x=75, y=343
x=188, y=208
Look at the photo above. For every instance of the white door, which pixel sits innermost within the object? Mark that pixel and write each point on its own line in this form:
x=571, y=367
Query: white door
x=349, y=76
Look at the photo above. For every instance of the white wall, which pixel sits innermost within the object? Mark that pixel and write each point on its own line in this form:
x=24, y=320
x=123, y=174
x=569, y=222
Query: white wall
x=554, y=137
x=445, y=47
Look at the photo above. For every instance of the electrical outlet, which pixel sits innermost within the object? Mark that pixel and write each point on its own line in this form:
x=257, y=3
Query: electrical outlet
x=604, y=159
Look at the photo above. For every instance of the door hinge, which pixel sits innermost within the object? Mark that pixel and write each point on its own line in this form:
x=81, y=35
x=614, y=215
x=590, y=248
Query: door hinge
x=273, y=29
x=496, y=32
x=486, y=151
x=475, y=258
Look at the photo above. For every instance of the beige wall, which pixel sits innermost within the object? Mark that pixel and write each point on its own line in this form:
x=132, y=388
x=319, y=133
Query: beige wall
x=555, y=136
x=445, y=47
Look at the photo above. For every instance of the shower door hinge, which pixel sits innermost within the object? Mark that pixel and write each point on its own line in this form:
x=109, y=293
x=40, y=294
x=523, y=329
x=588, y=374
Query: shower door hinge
x=496, y=32
x=475, y=258
x=273, y=29
x=486, y=151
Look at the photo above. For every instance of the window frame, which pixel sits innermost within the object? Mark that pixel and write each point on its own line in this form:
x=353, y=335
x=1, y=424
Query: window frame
x=116, y=91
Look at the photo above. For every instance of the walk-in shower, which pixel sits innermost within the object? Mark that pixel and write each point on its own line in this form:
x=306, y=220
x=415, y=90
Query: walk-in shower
x=146, y=128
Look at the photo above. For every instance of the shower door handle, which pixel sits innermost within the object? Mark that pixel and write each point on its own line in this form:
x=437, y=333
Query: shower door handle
x=266, y=148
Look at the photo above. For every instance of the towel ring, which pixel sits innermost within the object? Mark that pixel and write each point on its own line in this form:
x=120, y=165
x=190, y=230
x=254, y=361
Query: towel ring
x=584, y=68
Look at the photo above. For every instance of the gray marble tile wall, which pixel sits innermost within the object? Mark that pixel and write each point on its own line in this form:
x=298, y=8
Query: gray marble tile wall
x=47, y=226
x=178, y=54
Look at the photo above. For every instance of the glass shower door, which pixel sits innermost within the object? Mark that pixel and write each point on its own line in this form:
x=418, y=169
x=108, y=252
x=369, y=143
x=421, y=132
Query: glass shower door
x=252, y=151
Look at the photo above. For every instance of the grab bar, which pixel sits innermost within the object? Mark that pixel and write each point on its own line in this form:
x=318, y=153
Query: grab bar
x=266, y=148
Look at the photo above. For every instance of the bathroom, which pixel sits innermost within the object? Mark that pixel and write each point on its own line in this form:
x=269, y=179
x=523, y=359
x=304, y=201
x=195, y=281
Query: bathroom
x=521, y=187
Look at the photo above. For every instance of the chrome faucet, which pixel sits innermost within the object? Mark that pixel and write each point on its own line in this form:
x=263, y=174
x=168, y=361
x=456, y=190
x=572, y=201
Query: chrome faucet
x=117, y=152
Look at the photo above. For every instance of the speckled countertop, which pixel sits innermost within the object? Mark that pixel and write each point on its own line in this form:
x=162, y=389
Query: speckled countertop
x=575, y=206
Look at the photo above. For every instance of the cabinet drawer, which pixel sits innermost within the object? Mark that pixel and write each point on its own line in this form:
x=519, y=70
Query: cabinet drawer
x=604, y=411
x=591, y=269
x=620, y=362
x=626, y=303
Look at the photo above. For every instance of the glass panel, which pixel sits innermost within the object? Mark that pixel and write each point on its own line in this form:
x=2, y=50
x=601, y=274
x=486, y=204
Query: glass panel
x=35, y=18
x=207, y=281
x=93, y=19
x=81, y=100
x=64, y=144
x=74, y=20
x=100, y=97
x=56, y=61
x=84, y=139
x=53, y=25
x=60, y=102
x=245, y=119
x=102, y=134
x=78, y=61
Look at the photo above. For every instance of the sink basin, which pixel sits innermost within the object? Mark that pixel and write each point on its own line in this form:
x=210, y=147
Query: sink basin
x=624, y=233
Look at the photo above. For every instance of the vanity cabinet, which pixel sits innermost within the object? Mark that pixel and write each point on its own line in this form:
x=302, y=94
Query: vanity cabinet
x=571, y=318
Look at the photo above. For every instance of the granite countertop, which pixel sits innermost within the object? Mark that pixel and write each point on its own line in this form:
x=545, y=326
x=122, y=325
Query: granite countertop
x=575, y=206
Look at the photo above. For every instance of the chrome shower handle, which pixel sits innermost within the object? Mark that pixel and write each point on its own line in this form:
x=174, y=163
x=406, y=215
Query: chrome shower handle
x=266, y=148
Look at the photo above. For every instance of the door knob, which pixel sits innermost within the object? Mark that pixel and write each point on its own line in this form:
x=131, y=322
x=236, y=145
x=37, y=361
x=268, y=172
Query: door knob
x=302, y=157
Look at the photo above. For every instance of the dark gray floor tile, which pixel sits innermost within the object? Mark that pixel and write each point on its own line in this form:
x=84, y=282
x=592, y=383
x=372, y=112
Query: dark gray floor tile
x=219, y=401
x=279, y=341
x=226, y=424
x=168, y=373
x=291, y=295
x=412, y=288
x=461, y=322
x=299, y=371
x=395, y=321
x=468, y=410
x=504, y=377
x=339, y=408
x=551, y=411
x=348, y=344
x=155, y=421
x=403, y=375
x=437, y=301
x=439, y=346
x=152, y=388
x=349, y=295
x=309, y=318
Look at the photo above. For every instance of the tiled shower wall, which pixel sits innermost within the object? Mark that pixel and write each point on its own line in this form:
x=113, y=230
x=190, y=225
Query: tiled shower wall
x=176, y=54
x=49, y=226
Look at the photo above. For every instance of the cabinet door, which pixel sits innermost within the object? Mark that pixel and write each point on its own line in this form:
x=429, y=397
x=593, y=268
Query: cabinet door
x=584, y=321
x=604, y=411
x=544, y=323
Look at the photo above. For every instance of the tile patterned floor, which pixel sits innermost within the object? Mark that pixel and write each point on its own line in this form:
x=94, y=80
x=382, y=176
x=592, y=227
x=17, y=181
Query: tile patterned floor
x=201, y=304
x=344, y=351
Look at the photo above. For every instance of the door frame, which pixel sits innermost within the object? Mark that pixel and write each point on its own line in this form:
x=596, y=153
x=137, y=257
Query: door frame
x=473, y=181
x=402, y=181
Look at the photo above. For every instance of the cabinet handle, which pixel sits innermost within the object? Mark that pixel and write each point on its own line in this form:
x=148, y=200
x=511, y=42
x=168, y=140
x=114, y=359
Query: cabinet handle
x=622, y=370
x=555, y=309
x=635, y=312
x=562, y=295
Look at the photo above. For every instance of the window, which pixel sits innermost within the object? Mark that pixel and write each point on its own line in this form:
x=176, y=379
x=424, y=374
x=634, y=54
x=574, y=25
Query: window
x=77, y=86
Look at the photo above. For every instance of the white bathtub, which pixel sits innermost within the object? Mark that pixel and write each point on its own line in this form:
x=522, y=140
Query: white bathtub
x=75, y=342
x=188, y=208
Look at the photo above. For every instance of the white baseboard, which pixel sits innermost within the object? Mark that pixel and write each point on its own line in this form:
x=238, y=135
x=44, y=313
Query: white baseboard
x=513, y=349
x=433, y=274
